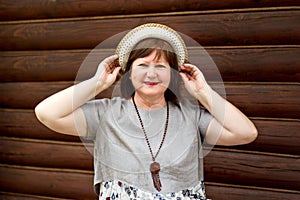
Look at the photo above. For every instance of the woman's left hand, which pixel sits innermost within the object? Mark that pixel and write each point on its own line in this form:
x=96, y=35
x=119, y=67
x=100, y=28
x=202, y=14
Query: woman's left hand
x=230, y=126
x=193, y=79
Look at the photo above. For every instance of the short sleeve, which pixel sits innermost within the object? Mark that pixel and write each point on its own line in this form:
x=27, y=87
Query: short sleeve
x=204, y=119
x=200, y=116
x=93, y=111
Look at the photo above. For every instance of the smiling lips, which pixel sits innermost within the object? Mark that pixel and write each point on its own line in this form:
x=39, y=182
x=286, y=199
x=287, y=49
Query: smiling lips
x=151, y=83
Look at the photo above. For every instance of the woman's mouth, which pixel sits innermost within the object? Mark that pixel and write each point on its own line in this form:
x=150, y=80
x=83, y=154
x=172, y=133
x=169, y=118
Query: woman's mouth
x=151, y=83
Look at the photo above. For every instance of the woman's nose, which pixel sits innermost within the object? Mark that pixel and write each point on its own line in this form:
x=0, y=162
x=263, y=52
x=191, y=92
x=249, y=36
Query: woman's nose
x=151, y=72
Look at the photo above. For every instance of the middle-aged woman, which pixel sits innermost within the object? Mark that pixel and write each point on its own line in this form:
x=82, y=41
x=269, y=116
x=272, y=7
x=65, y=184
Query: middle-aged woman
x=148, y=141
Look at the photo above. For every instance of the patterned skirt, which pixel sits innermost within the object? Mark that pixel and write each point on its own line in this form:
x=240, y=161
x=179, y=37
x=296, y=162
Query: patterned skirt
x=117, y=190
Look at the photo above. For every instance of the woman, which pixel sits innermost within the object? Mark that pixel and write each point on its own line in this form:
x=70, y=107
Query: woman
x=147, y=142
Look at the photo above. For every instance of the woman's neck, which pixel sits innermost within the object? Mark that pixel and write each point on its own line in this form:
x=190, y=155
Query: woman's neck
x=147, y=103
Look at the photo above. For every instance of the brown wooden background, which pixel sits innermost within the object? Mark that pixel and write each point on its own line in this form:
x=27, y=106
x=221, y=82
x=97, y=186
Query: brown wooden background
x=255, y=44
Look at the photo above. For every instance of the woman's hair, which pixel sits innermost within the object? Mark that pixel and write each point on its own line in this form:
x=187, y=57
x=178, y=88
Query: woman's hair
x=143, y=49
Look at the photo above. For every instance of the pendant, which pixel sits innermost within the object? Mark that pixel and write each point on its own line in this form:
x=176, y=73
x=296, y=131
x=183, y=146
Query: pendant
x=154, y=169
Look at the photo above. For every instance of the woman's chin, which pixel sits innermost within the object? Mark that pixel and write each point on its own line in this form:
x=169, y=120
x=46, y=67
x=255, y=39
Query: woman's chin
x=151, y=91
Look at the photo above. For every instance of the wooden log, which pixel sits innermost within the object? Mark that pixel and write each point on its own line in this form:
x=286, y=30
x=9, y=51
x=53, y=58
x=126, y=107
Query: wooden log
x=41, y=65
x=277, y=27
x=228, y=191
x=253, y=168
x=23, y=123
x=17, y=196
x=254, y=64
x=45, y=153
x=274, y=135
x=28, y=9
x=255, y=99
x=74, y=184
x=30, y=92
x=249, y=169
x=260, y=100
x=266, y=63
x=217, y=191
x=59, y=183
x=221, y=165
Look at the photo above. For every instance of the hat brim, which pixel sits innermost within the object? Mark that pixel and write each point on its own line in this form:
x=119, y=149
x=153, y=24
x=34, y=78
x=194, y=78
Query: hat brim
x=151, y=30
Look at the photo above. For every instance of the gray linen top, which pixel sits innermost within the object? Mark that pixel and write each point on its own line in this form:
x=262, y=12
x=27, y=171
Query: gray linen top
x=121, y=152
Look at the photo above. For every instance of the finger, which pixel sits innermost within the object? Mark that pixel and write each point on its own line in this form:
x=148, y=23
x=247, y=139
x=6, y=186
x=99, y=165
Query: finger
x=111, y=58
x=109, y=63
x=184, y=77
x=189, y=65
x=116, y=71
x=190, y=72
x=191, y=68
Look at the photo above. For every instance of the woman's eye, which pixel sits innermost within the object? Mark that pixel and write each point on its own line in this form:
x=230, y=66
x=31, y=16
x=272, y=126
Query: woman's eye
x=160, y=66
x=143, y=65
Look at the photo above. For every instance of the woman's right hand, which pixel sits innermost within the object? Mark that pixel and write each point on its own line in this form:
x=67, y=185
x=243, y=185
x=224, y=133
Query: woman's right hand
x=107, y=72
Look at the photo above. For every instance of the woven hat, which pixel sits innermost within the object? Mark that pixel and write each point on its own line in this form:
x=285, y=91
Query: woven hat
x=151, y=30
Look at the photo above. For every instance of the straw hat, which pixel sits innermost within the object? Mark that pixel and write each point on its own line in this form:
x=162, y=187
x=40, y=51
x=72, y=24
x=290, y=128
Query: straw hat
x=151, y=30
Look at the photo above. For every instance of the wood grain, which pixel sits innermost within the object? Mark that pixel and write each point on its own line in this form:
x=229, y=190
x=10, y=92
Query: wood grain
x=275, y=135
x=29, y=9
x=266, y=63
x=23, y=123
x=256, y=100
x=227, y=191
x=220, y=165
x=253, y=168
x=43, y=153
x=18, y=196
x=274, y=28
x=60, y=183
x=48, y=182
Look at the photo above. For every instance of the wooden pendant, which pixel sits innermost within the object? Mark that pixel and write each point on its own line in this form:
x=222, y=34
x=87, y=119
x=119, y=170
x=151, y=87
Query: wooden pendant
x=154, y=169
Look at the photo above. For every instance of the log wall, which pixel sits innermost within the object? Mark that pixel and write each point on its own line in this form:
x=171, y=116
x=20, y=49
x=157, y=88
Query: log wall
x=254, y=44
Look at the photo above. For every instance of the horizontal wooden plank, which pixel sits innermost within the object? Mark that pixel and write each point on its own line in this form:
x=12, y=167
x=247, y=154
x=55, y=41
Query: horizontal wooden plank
x=32, y=93
x=260, y=100
x=215, y=190
x=260, y=170
x=42, y=153
x=253, y=168
x=50, y=65
x=68, y=184
x=221, y=165
x=277, y=27
x=71, y=184
x=278, y=136
x=254, y=64
x=230, y=64
x=28, y=9
x=23, y=123
x=17, y=196
x=226, y=191
x=256, y=100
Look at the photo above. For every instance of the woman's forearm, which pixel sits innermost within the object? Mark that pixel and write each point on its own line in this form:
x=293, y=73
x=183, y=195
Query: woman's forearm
x=67, y=101
x=60, y=112
x=227, y=114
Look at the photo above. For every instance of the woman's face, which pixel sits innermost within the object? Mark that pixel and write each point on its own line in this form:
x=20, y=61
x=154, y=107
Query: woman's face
x=150, y=76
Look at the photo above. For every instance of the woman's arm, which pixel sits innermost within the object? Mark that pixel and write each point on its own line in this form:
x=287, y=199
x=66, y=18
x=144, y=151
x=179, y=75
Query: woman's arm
x=61, y=112
x=229, y=126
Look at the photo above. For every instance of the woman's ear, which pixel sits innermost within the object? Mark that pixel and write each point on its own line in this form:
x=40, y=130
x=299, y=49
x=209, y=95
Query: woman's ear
x=129, y=71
